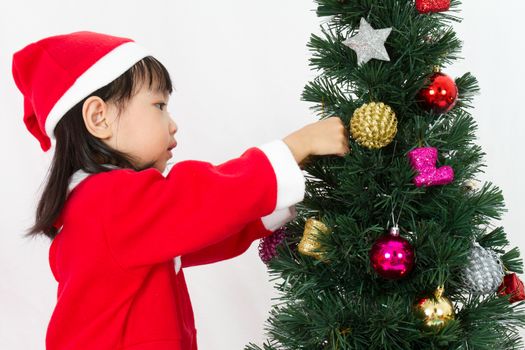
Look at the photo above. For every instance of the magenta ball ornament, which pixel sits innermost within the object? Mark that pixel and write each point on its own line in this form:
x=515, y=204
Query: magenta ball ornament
x=392, y=256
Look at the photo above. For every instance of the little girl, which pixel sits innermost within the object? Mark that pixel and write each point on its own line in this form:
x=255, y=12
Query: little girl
x=121, y=232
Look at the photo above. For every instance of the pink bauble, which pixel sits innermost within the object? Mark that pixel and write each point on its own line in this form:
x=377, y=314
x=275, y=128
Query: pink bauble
x=392, y=257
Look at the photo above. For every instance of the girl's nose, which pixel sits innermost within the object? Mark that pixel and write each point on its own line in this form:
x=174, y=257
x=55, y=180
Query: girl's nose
x=173, y=126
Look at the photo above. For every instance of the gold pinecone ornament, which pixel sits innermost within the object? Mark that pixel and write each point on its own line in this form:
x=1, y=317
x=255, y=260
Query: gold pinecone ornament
x=373, y=125
x=309, y=244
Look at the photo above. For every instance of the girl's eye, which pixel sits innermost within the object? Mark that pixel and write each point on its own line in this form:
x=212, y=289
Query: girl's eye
x=161, y=104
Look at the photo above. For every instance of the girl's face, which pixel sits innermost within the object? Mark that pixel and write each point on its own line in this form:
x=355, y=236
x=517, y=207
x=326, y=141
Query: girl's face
x=144, y=128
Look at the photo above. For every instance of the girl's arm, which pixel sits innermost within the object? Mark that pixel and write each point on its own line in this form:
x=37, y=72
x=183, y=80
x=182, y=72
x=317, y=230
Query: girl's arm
x=240, y=242
x=149, y=218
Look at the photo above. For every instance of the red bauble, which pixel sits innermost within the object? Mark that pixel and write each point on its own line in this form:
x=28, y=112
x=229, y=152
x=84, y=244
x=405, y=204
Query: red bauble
x=512, y=285
x=392, y=256
x=440, y=95
x=425, y=6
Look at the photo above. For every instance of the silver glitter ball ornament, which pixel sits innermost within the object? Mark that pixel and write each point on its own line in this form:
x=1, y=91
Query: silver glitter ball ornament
x=484, y=271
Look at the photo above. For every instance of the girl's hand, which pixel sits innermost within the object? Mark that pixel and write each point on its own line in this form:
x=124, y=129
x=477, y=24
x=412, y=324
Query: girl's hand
x=324, y=137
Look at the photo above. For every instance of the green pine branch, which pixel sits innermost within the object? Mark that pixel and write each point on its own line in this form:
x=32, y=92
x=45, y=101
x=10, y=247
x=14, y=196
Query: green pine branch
x=340, y=302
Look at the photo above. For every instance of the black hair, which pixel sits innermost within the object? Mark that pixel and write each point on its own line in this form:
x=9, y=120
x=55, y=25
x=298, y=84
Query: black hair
x=77, y=149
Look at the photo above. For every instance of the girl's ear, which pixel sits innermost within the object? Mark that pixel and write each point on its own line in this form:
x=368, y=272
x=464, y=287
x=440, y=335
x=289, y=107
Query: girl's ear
x=95, y=114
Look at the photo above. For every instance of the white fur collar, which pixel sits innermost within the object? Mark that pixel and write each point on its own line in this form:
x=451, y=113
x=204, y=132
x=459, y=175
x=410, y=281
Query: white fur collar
x=80, y=175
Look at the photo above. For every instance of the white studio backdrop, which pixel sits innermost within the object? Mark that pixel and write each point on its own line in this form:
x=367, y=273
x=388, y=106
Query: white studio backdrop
x=239, y=68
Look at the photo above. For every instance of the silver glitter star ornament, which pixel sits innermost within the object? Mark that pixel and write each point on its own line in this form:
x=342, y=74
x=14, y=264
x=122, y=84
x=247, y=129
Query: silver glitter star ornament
x=369, y=43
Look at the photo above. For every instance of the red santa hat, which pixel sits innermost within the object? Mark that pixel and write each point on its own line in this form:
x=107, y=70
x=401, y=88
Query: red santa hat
x=57, y=72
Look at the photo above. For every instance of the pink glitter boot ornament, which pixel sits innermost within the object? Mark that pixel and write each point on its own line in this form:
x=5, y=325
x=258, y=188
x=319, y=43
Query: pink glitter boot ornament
x=424, y=160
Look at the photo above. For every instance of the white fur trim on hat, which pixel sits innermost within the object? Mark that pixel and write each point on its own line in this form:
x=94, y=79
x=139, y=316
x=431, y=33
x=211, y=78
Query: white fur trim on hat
x=101, y=73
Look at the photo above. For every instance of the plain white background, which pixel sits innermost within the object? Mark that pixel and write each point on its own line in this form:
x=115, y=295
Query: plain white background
x=239, y=68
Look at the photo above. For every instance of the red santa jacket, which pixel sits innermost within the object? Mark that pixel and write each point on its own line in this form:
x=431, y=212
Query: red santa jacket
x=126, y=236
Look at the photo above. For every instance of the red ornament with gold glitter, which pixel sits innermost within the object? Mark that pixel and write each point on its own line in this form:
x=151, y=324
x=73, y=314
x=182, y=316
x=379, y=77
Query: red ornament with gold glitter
x=512, y=285
x=392, y=256
x=426, y=6
x=440, y=95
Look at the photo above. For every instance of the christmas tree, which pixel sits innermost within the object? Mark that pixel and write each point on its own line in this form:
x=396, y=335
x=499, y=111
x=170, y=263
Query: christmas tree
x=396, y=245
